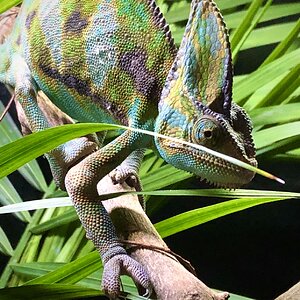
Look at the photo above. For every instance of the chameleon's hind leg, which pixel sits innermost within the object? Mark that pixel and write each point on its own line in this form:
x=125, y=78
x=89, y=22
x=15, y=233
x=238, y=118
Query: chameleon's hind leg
x=127, y=172
x=81, y=183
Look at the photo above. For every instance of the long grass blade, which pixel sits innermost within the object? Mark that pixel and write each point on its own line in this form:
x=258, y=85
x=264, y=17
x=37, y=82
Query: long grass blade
x=11, y=156
x=250, y=83
x=284, y=44
x=9, y=195
x=48, y=291
x=5, y=246
x=249, y=30
x=71, y=216
x=199, y=216
x=245, y=24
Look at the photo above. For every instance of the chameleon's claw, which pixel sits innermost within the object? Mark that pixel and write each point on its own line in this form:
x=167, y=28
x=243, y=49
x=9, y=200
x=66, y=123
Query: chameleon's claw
x=148, y=293
x=123, y=264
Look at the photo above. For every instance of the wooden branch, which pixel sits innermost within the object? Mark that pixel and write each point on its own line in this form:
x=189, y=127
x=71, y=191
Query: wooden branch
x=169, y=278
x=292, y=294
x=7, y=20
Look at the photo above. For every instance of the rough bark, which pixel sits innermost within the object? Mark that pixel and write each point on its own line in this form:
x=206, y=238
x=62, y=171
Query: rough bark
x=7, y=20
x=292, y=294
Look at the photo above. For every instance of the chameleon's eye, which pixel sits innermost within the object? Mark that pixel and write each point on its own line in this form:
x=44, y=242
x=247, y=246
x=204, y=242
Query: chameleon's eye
x=206, y=132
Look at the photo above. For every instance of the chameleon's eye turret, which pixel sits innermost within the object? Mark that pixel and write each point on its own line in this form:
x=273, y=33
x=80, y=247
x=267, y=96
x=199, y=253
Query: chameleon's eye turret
x=206, y=132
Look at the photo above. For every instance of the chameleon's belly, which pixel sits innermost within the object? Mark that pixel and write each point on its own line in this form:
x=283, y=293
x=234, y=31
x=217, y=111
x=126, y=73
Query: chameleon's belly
x=100, y=60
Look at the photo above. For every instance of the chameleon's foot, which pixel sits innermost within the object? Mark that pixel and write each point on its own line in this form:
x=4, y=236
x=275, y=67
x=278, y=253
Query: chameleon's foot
x=122, y=264
x=122, y=174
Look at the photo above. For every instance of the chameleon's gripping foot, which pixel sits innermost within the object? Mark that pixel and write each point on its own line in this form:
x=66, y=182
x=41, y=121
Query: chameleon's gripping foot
x=122, y=264
x=123, y=174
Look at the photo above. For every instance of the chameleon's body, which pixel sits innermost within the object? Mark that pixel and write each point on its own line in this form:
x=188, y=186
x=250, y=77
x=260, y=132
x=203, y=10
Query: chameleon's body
x=107, y=61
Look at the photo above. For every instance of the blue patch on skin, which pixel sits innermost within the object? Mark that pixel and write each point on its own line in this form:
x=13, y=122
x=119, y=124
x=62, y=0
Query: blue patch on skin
x=140, y=11
x=215, y=44
x=133, y=112
x=173, y=117
x=100, y=50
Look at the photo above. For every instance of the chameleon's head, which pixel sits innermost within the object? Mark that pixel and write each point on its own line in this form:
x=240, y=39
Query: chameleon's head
x=196, y=106
x=230, y=136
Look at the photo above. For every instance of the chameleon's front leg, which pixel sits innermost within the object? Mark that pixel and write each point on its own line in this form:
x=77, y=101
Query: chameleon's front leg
x=81, y=184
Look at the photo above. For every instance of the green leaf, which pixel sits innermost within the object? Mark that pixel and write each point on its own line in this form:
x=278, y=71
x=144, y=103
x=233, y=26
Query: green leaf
x=70, y=215
x=6, y=5
x=40, y=142
x=36, y=204
x=49, y=292
x=278, y=91
x=274, y=12
x=8, y=195
x=5, y=246
x=199, y=216
x=277, y=133
x=9, y=132
x=71, y=245
x=250, y=83
x=65, y=218
x=250, y=28
x=245, y=24
x=284, y=44
x=71, y=272
x=267, y=35
x=160, y=178
x=273, y=114
x=172, y=16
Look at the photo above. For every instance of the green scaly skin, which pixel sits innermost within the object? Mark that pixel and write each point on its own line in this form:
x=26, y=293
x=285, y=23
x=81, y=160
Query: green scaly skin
x=115, y=61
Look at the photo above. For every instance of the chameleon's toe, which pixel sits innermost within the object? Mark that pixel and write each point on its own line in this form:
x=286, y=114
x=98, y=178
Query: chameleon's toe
x=123, y=265
x=121, y=174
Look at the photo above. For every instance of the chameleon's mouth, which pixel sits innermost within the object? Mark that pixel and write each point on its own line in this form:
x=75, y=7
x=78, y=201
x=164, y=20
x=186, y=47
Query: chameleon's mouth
x=217, y=171
x=228, y=175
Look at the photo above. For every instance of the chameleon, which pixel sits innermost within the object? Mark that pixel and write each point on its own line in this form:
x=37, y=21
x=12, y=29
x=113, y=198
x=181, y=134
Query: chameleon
x=115, y=61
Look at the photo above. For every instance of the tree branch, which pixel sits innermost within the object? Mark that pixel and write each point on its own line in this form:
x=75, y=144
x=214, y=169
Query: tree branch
x=292, y=294
x=169, y=278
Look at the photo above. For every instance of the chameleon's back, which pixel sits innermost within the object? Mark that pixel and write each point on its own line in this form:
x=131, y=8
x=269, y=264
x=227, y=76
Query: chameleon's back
x=96, y=60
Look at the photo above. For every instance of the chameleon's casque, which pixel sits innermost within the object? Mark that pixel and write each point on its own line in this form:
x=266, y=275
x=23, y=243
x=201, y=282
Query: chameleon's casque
x=115, y=61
